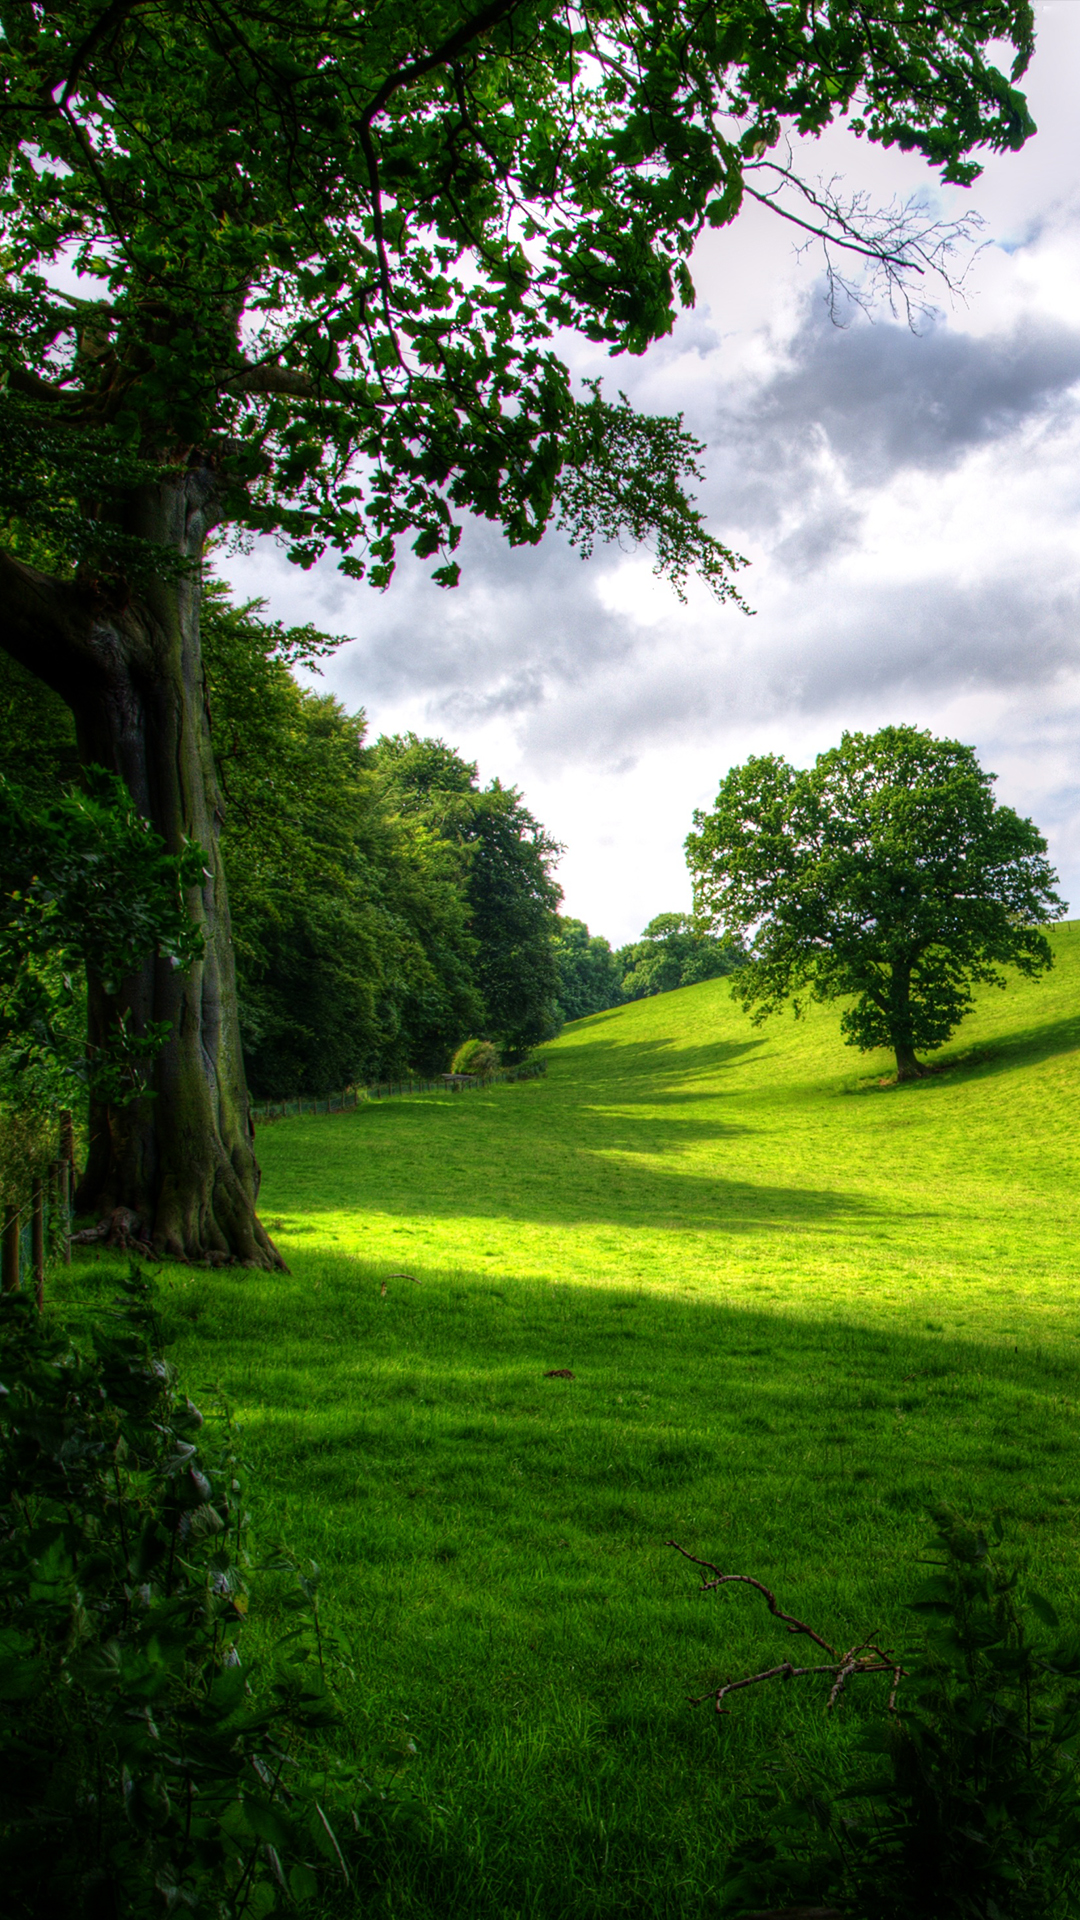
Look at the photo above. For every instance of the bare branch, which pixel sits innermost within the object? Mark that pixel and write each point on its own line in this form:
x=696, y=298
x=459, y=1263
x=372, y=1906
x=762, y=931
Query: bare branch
x=794, y=1913
x=899, y=242
x=859, y=1661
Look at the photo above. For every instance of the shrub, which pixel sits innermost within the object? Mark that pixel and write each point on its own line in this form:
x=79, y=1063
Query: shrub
x=144, y=1766
x=27, y=1144
x=970, y=1807
x=475, y=1056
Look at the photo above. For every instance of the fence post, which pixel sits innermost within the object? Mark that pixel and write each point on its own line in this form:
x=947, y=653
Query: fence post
x=65, y=1209
x=37, y=1240
x=10, y=1256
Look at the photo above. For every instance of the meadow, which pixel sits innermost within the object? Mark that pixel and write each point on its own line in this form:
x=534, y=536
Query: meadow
x=798, y=1302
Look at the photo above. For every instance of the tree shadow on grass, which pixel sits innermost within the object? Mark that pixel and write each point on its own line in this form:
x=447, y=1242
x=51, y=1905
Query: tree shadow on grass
x=982, y=1060
x=636, y=1067
x=585, y=1155
x=675, y=1394
x=498, y=1539
x=627, y=1197
x=1003, y=1053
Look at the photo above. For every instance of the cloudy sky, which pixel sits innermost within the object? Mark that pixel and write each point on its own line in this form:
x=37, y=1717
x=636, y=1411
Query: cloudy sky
x=910, y=503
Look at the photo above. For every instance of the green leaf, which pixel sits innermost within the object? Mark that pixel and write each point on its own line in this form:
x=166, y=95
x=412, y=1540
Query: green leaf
x=934, y=1595
x=1042, y=1609
x=228, y=1689
x=20, y=1678
x=268, y=1820
x=303, y=1884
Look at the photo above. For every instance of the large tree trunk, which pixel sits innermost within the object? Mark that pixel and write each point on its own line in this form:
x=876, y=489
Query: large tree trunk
x=184, y=1159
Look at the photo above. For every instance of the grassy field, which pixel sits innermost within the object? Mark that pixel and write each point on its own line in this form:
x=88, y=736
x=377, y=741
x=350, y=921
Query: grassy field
x=797, y=1304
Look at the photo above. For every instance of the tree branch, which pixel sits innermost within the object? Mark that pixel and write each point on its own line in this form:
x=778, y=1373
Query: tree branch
x=897, y=241
x=114, y=16
x=455, y=43
x=867, y=1658
x=35, y=388
x=287, y=380
x=45, y=625
x=747, y=1580
x=880, y=256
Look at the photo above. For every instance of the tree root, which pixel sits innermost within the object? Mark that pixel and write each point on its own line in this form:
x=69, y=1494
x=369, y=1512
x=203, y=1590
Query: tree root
x=122, y=1231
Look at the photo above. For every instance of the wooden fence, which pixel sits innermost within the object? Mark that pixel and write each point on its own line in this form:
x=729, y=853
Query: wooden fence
x=351, y=1097
x=42, y=1225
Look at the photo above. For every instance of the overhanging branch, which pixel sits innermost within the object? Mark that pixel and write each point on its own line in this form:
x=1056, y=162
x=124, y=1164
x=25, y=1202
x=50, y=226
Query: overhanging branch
x=45, y=626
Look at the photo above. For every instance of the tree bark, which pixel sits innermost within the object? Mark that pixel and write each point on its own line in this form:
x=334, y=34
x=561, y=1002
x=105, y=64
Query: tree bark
x=899, y=1020
x=907, y=1067
x=183, y=1158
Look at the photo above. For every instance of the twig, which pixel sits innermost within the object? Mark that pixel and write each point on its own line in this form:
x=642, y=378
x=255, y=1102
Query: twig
x=861, y=1660
x=747, y=1580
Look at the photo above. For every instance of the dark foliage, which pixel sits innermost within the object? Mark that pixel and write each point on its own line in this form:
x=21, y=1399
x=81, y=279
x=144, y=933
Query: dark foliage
x=37, y=734
x=965, y=1805
x=354, y=958
x=511, y=896
x=146, y=1765
x=84, y=881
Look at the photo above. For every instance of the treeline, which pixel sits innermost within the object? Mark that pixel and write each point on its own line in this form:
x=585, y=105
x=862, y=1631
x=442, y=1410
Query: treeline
x=385, y=906
x=670, y=953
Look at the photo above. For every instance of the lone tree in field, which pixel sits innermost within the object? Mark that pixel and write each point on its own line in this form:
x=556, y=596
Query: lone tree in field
x=326, y=251
x=887, y=873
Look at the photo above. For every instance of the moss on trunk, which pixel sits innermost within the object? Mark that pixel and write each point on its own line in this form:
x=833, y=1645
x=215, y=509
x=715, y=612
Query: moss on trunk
x=131, y=672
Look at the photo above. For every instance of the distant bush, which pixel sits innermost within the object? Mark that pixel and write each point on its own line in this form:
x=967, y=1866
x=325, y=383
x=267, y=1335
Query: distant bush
x=475, y=1056
x=145, y=1768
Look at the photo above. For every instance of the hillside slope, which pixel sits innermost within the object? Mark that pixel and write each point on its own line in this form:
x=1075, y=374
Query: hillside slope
x=674, y=1144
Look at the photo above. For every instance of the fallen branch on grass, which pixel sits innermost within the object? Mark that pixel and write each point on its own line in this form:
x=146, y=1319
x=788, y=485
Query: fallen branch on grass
x=795, y=1913
x=866, y=1658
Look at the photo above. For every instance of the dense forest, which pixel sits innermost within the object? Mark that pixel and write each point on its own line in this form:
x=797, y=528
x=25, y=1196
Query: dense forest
x=385, y=905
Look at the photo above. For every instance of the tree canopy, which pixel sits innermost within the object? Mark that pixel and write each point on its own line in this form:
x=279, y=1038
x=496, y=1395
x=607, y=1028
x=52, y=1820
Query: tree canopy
x=384, y=907
x=590, y=978
x=351, y=925
x=335, y=244
x=675, y=952
x=886, y=873
x=511, y=893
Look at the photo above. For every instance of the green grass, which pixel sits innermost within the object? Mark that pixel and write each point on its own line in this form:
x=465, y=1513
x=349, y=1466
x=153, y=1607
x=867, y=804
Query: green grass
x=797, y=1304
